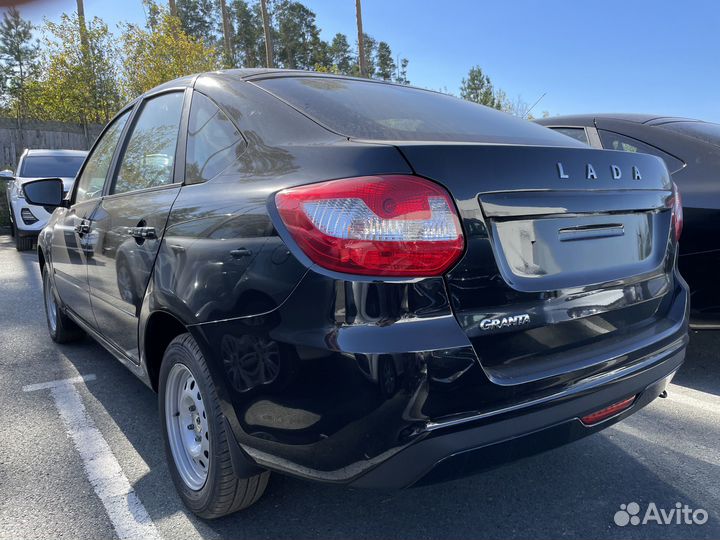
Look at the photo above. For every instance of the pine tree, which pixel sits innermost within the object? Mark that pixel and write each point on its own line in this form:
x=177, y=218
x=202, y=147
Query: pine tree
x=199, y=19
x=18, y=60
x=385, y=63
x=401, y=77
x=479, y=89
x=340, y=54
x=248, y=38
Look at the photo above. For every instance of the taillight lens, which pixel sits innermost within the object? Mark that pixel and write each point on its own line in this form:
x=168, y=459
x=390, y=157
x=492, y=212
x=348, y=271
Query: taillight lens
x=677, y=212
x=396, y=225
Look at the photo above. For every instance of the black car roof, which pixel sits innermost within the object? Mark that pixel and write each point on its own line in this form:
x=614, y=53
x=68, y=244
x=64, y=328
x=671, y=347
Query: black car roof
x=589, y=119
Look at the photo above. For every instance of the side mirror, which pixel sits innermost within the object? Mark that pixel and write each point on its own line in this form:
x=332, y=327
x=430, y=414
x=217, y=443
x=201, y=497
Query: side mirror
x=7, y=174
x=44, y=192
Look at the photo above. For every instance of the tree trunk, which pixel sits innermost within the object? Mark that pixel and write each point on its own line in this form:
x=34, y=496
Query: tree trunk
x=268, y=37
x=173, y=8
x=83, y=29
x=361, y=40
x=227, y=35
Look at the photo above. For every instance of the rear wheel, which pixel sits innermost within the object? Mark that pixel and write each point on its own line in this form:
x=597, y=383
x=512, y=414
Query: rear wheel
x=61, y=328
x=196, y=443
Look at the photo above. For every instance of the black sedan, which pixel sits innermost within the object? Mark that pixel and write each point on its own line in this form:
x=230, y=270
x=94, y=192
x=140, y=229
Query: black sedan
x=691, y=150
x=363, y=283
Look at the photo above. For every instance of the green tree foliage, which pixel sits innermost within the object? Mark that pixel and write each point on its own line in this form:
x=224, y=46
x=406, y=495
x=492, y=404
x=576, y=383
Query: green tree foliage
x=78, y=81
x=151, y=57
x=298, y=43
x=479, y=89
x=341, y=55
x=385, y=63
x=18, y=61
x=402, y=72
x=248, y=36
x=370, y=46
x=200, y=19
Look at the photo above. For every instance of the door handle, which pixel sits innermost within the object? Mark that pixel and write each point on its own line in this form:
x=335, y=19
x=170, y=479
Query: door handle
x=142, y=233
x=240, y=252
x=82, y=228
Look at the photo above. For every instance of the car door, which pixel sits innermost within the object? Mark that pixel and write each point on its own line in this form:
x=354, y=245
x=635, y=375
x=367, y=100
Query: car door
x=130, y=220
x=72, y=242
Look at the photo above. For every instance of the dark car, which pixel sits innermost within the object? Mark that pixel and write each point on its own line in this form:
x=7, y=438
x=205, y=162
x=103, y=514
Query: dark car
x=691, y=151
x=362, y=283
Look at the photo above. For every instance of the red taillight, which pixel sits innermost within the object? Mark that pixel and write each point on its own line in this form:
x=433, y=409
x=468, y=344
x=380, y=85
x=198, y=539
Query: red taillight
x=375, y=225
x=607, y=412
x=677, y=212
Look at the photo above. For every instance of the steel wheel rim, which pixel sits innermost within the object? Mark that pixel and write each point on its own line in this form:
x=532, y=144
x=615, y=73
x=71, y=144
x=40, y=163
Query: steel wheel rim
x=187, y=427
x=50, y=305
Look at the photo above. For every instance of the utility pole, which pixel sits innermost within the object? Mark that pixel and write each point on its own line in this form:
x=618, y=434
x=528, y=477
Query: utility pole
x=173, y=8
x=268, y=37
x=227, y=35
x=361, y=40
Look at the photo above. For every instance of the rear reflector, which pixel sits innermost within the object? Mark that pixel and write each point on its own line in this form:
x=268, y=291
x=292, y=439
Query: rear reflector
x=677, y=211
x=394, y=225
x=607, y=412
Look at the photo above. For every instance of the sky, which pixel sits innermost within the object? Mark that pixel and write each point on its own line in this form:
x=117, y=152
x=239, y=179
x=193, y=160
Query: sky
x=660, y=57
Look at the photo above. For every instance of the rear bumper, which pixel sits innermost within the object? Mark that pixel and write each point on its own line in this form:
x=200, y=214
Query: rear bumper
x=452, y=453
x=375, y=384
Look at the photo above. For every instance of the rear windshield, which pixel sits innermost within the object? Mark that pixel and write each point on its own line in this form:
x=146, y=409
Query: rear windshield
x=705, y=131
x=375, y=111
x=51, y=166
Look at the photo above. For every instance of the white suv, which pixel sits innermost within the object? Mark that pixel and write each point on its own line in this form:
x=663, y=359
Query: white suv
x=28, y=219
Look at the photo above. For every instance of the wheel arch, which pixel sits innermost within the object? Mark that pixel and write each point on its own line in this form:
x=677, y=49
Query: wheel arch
x=160, y=329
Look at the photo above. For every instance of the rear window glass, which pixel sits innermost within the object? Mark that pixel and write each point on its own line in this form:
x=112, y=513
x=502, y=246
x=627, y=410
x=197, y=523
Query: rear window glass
x=376, y=111
x=51, y=166
x=576, y=133
x=705, y=131
x=616, y=141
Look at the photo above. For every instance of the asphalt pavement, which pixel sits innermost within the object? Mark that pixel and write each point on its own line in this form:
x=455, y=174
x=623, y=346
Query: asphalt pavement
x=667, y=453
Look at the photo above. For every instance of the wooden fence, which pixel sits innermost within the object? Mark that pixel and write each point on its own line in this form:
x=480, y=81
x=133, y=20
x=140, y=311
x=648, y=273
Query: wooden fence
x=16, y=136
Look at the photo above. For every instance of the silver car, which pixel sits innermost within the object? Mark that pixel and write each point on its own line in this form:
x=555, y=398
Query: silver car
x=28, y=219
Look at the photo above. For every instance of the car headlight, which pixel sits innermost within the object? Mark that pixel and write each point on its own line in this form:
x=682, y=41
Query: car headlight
x=17, y=191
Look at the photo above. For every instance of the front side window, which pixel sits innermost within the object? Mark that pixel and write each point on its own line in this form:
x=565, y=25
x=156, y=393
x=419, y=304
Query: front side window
x=92, y=179
x=576, y=133
x=616, y=141
x=213, y=141
x=149, y=156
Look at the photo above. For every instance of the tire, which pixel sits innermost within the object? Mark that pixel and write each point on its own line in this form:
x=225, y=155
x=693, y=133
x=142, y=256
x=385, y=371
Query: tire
x=201, y=471
x=23, y=243
x=61, y=328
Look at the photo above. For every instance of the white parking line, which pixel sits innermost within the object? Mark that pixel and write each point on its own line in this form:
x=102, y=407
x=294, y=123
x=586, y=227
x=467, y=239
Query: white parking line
x=126, y=512
x=704, y=401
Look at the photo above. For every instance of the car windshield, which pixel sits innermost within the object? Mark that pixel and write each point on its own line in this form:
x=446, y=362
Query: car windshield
x=705, y=131
x=51, y=166
x=376, y=111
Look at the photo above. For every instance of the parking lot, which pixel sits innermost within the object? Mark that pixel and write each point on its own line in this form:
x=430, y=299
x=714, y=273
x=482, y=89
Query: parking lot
x=668, y=453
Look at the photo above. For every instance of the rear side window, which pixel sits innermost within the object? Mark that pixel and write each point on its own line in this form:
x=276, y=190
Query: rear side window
x=150, y=153
x=51, y=166
x=213, y=141
x=378, y=111
x=705, y=131
x=92, y=179
x=576, y=133
x=615, y=141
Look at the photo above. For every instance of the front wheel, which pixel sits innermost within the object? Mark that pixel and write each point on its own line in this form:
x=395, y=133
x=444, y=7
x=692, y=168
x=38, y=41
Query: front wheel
x=196, y=443
x=61, y=328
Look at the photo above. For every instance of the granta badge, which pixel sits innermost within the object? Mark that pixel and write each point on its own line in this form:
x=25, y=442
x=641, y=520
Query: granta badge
x=504, y=322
